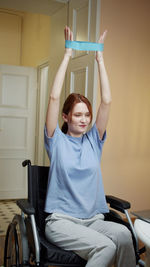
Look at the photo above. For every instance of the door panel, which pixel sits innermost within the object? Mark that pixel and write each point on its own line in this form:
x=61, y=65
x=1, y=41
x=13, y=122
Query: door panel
x=17, y=127
x=9, y=125
x=79, y=81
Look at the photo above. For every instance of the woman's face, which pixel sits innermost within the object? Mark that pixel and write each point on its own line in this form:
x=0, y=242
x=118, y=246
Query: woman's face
x=79, y=121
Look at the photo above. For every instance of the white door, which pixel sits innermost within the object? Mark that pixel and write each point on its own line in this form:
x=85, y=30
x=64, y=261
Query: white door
x=17, y=128
x=84, y=20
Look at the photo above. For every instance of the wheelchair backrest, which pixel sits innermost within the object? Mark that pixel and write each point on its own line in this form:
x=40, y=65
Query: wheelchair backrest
x=37, y=187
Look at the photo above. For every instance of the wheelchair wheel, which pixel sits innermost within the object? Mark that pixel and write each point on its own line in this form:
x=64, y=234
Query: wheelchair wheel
x=16, y=244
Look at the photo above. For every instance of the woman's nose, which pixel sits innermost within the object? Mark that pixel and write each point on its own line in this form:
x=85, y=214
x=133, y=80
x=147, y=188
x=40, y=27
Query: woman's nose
x=83, y=118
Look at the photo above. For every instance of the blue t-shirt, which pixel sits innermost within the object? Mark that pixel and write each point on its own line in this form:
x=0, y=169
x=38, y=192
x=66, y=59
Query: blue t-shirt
x=75, y=183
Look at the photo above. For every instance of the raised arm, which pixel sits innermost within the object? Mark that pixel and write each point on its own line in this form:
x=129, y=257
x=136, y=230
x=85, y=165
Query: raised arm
x=104, y=108
x=54, y=98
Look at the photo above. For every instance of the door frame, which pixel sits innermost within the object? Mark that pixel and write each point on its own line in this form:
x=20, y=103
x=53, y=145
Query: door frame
x=41, y=105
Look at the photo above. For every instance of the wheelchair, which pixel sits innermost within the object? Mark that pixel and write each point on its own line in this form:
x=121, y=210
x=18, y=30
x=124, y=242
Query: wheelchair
x=25, y=242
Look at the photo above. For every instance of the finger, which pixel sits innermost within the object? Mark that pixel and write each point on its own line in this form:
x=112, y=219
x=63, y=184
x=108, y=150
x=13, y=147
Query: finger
x=65, y=33
x=102, y=37
x=104, y=34
x=68, y=33
x=71, y=35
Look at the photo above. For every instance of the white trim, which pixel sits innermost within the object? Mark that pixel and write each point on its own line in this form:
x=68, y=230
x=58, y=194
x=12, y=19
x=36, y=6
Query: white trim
x=89, y=20
x=86, y=81
x=71, y=82
x=40, y=115
x=95, y=80
x=98, y=19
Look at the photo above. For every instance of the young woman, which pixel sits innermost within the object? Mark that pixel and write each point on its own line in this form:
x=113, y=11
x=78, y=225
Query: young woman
x=75, y=197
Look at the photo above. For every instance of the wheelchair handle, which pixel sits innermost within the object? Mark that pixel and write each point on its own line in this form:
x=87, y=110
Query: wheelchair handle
x=26, y=162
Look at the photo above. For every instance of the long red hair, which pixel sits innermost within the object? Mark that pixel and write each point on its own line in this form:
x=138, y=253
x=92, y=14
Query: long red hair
x=69, y=104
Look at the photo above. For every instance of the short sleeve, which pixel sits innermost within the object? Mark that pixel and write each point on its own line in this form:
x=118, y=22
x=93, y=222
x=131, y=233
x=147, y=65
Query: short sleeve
x=93, y=135
x=50, y=141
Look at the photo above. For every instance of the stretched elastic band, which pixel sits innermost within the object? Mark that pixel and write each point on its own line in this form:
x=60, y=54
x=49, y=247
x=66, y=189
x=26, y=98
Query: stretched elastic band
x=84, y=46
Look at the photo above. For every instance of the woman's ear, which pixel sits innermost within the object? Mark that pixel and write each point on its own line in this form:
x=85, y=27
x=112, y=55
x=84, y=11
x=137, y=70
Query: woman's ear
x=65, y=117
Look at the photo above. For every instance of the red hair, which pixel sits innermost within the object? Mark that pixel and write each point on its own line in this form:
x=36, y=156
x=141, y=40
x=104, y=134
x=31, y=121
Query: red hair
x=69, y=104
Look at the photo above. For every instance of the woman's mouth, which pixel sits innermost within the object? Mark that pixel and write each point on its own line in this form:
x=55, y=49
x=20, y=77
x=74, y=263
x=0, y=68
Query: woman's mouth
x=82, y=126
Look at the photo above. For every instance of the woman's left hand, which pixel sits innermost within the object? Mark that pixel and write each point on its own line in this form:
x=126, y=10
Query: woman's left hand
x=68, y=36
x=99, y=54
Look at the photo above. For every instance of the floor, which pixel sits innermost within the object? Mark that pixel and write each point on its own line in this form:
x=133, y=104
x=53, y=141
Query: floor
x=8, y=209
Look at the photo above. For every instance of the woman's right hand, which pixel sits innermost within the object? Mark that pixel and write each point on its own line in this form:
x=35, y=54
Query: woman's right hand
x=99, y=54
x=68, y=36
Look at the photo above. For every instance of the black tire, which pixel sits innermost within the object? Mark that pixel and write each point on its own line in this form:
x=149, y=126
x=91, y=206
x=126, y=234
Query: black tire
x=16, y=245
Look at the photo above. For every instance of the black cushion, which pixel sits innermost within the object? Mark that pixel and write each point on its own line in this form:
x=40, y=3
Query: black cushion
x=54, y=255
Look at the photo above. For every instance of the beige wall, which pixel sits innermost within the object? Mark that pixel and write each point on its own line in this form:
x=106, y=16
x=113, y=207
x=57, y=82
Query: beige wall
x=10, y=37
x=126, y=156
x=35, y=39
x=24, y=38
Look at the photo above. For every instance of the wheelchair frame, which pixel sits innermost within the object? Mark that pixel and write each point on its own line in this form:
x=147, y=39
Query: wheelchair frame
x=23, y=241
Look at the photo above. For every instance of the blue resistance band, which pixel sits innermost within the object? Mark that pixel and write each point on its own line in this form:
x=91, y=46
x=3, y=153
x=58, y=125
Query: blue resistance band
x=84, y=46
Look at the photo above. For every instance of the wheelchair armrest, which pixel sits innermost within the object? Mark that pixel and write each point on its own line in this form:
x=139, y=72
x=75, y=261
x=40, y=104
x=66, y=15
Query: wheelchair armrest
x=118, y=204
x=25, y=206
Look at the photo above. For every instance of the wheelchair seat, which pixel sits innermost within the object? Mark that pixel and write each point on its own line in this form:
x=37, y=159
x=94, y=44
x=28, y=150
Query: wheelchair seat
x=26, y=244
